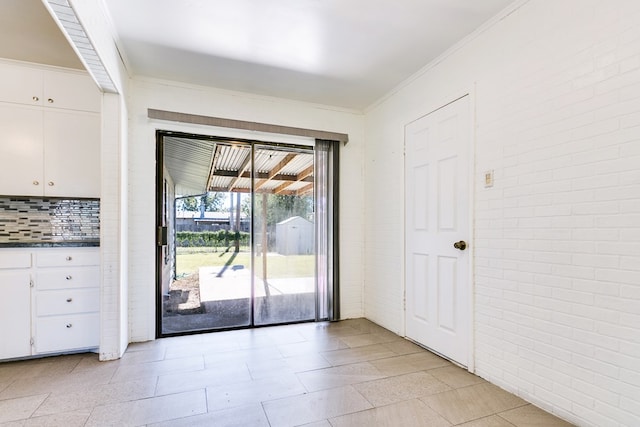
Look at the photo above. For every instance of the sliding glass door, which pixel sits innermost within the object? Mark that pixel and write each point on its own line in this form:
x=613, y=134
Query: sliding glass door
x=252, y=250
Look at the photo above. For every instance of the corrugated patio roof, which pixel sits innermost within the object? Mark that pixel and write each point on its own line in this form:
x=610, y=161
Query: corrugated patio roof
x=197, y=166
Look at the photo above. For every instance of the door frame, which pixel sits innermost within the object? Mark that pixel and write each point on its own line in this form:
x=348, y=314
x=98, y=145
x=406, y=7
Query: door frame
x=470, y=92
x=333, y=244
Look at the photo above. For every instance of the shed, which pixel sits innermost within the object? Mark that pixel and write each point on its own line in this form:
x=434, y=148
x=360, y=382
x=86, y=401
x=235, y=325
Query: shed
x=294, y=236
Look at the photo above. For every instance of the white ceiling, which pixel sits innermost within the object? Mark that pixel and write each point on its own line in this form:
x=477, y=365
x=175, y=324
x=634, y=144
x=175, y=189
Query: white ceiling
x=346, y=53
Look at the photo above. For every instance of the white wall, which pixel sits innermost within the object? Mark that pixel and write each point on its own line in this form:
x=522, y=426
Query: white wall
x=557, y=252
x=114, y=336
x=149, y=93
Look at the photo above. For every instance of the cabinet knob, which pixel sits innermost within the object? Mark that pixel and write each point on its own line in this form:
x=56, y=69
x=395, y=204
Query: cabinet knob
x=50, y=101
x=69, y=258
x=35, y=99
x=69, y=299
x=69, y=325
x=36, y=182
x=51, y=184
x=69, y=277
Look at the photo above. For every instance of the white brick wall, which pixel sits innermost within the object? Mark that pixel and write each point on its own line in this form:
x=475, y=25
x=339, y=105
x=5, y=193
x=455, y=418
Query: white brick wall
x=112, y=346
x=557, y=238
x=114, y=321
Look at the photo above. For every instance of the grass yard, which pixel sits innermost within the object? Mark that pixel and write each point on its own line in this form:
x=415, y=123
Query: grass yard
x=188, y=260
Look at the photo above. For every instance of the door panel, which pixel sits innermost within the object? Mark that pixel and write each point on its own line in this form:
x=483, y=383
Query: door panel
x=284, y=245
x=437, y=215
x=447, y=282
x=420, y=300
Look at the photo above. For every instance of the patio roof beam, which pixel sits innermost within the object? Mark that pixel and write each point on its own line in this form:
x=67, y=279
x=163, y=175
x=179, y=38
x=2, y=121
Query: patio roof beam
x=276, y=169
x=267, y=191
x=241, y=170
x=263, y=175
x=304, y=190
x=305, y=173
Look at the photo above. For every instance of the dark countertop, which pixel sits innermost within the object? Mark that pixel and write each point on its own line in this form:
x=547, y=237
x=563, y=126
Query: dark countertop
x=52, y=244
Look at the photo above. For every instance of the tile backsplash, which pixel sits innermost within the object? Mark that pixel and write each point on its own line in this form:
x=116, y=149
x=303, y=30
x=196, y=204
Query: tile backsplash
x=48, y=220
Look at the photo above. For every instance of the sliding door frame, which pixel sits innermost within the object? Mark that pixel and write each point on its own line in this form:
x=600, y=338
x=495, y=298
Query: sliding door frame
x=333, y=288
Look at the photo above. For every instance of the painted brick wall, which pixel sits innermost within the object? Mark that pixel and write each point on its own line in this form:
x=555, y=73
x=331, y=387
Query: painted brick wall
x=113, y=203
x=557, y=238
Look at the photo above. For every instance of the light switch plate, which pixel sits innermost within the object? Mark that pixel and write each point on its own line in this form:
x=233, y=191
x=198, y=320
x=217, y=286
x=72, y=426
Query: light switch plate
x=488, y=179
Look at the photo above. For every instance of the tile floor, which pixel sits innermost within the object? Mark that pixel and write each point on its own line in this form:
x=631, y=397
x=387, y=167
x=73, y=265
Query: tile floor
x=351, y=373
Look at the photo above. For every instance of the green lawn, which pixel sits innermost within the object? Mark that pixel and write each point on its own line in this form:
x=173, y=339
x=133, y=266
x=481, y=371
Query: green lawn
x=188, y=260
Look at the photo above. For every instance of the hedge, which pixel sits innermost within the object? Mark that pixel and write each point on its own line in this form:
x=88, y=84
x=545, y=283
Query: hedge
x=210, y=238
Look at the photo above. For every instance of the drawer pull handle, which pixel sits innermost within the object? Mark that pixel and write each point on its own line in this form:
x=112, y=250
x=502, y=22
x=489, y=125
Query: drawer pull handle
x=50, y=101
x=51, y=184
x=69, y=299
x=36, y=99
x=69, y=325
x=69, y=277
x=69, y=258
x=36, y=183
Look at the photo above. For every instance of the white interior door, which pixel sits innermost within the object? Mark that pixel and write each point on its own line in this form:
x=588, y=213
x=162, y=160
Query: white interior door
x=438, y=308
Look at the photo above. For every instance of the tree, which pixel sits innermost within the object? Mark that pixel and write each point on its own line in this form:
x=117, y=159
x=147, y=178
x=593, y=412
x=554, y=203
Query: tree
x=212, y=201
x=280, y=207
x=187, y=204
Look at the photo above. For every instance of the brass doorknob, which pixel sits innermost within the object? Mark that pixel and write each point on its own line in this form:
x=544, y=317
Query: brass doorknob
x=462, y=245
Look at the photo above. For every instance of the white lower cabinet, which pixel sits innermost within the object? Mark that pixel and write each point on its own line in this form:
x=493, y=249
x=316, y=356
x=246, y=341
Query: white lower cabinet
x=50, y=301
x=15, y=313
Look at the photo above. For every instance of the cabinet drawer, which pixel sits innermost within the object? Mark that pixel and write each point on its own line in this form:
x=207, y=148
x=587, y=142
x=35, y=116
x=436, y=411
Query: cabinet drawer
x=15, y=260
x=70, y=332
x=71, y=301
x=68, y=278
x=61, y=258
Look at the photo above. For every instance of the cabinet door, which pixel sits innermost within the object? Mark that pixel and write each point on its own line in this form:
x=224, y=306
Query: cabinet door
x=21, y=149
x=71, y=91
x=15, y=314
x=21, y=85
x=71, y=154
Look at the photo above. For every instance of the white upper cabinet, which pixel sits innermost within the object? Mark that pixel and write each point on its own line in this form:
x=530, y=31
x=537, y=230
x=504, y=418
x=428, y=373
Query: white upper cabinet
x=21, y=85
x=21, y=148
x=48, y=88
x=70, y=91
x=71, y=159
x=50, y=139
